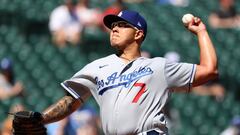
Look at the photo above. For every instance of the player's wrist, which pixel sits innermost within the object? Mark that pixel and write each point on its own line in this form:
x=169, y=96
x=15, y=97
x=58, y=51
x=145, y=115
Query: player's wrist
x=201, y=31
x=44, y=119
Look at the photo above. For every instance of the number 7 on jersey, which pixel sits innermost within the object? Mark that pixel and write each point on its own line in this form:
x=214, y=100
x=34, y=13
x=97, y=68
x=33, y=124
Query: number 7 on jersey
x=141, y=91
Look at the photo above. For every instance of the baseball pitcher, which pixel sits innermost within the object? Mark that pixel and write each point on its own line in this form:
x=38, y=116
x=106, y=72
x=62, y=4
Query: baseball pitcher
x=131, y=90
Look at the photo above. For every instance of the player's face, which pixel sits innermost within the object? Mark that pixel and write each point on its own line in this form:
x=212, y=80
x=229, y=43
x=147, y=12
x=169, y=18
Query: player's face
x=122, y=34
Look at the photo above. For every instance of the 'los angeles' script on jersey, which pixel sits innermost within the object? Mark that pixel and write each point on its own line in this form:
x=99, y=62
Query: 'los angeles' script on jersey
x=116, y=79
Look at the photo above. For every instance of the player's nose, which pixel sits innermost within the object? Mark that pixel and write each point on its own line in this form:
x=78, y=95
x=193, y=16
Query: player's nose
x=115, y=29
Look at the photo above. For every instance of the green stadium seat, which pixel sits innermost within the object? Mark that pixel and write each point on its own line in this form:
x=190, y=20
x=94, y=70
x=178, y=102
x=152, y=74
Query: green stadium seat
x=222, y=120
x=48, y=54
x=189, y=109
x=3, y=51
x=203, y=102
x=212, y=110
x=41, y=105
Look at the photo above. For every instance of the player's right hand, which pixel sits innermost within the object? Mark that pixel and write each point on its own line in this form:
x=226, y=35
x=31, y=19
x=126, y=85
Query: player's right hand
x=196, y=26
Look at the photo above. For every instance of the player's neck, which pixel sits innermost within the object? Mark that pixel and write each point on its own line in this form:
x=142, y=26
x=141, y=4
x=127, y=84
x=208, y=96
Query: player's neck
x=129, y=53
x=129, y=56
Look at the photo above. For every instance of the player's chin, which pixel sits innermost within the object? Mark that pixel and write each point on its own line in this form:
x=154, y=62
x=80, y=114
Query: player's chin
x=114, y=44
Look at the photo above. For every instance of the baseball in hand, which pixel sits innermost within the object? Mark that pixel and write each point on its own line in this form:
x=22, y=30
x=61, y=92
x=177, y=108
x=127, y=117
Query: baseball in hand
x=187, y=18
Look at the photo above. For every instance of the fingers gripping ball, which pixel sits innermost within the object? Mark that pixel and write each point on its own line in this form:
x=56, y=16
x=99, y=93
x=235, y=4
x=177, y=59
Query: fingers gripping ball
x=187, y=18
x=28, y=123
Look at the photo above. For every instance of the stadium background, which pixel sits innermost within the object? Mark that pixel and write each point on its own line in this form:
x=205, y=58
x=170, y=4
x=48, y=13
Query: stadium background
x=41, y=66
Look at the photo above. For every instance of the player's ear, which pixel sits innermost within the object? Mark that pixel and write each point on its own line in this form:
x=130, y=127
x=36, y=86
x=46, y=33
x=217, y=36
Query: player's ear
x=139, y=35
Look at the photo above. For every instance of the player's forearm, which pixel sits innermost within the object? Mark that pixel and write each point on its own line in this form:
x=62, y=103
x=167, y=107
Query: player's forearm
x=208, y=59
x=208, y=56
x=60, y=110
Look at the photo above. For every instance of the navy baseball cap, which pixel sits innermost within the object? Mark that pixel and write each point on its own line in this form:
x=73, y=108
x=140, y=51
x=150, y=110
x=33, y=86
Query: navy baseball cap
x=131, y=17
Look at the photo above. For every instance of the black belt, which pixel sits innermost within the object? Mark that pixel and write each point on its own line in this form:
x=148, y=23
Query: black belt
x=152, y=132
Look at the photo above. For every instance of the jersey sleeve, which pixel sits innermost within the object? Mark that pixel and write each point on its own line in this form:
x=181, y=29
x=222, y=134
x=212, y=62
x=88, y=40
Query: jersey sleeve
x=81, y=84
x=179, y=76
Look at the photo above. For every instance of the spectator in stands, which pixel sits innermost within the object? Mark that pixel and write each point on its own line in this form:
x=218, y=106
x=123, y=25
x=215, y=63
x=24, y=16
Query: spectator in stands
x=145, y=54
x=172, y=56
x=84, y=121
x=234, y=127
x=212, y=88
x=134, y=1
x=88, y=16
x=57, y=128
x=7, y=123
x=178, y=3
x=226, y=16
x=8, y=86
x=114, y=8
x=65, y=25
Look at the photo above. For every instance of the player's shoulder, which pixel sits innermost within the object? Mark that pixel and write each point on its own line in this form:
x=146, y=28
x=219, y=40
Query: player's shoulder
x=158, y=62
x=102, y=60
x=157, y=59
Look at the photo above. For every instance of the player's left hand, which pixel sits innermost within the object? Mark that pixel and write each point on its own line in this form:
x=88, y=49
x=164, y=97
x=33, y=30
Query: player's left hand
x=196, y=26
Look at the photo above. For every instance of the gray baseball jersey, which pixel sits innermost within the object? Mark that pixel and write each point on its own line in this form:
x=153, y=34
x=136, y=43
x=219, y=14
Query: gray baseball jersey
x=131, y=96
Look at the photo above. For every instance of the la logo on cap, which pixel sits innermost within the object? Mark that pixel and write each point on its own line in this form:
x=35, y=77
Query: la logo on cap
x=139, y=24
x=120, y=14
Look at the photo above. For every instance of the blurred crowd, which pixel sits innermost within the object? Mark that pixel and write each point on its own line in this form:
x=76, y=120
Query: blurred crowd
x=84, y=121
x=68, y=21
x=9, y=87
x=225, y=16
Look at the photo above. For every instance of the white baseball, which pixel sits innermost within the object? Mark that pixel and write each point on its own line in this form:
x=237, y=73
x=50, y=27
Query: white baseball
x=187, y=18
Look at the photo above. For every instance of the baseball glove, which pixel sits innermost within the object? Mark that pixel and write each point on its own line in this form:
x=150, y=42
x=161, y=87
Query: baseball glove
x=28, y=123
